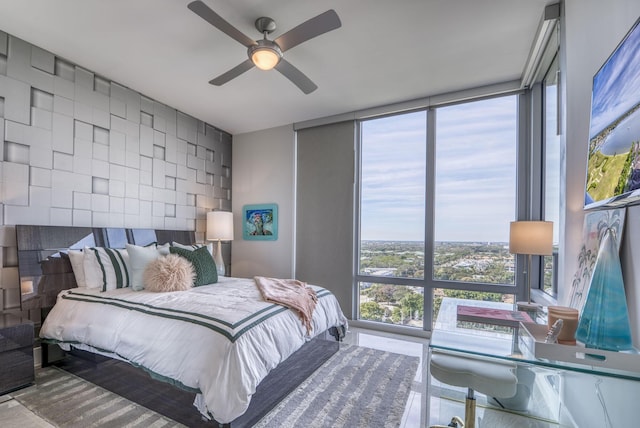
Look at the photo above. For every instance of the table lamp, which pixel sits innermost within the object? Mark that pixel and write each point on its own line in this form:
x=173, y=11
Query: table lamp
x=530, y=238
x=220, y=228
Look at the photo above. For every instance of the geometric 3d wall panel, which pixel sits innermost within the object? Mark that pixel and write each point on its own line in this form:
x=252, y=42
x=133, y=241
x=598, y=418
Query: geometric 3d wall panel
x=78, y=149
x=98, y=137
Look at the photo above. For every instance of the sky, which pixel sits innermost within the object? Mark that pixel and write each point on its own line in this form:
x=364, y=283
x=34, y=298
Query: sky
x=616, y=86
x=475, y=172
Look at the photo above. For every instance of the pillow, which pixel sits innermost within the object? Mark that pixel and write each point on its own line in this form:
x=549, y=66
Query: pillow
x=139, y=259
x=106, y=268
x=194, y=246
x=163, y=249
x=76, y=258
x=169, y=273
x=203, y=264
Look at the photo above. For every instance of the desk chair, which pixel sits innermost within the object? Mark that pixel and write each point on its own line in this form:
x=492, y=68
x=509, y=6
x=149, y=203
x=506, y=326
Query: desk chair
x=490, y=377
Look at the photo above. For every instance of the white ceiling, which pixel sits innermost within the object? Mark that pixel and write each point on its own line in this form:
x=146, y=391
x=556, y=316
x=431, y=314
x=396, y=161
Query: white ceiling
x=385, y=52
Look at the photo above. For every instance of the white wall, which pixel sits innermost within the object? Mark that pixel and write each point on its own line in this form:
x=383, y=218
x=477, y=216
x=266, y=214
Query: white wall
x=263, y=172
x=593, y=29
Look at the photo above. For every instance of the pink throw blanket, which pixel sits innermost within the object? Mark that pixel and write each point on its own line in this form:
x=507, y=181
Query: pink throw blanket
x=291, y=293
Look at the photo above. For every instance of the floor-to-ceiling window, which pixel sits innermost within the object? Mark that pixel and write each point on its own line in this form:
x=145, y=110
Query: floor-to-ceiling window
x=435, y=202
x=392, y=218
x=475, y=198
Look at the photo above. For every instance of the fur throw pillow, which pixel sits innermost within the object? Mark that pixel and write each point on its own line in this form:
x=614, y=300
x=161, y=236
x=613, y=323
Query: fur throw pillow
x=169, y=273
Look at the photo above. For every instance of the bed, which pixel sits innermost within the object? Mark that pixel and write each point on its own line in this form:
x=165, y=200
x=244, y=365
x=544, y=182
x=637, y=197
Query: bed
x=218, y=337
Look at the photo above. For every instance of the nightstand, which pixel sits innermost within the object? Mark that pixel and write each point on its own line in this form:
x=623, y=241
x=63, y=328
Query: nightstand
x=16, y=353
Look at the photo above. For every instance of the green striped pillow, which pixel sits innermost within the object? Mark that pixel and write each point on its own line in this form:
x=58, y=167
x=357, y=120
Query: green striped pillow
x=106, y=268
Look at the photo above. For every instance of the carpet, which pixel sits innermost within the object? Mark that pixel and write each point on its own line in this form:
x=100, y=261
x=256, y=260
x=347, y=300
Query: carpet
x=356, y=387
x=68, y=401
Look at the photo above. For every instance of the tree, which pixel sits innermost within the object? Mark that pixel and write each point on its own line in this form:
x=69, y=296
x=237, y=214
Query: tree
x=396, y=315
x=382, y=293
x=371, y=311
x=412, y=303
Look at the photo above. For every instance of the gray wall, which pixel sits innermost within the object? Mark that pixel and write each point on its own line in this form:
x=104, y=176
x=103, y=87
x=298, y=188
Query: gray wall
x=313, y=177
x=264, y=172
x=81, y=150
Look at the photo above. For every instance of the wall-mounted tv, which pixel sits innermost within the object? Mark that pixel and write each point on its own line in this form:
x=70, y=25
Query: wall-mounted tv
x=613, y=168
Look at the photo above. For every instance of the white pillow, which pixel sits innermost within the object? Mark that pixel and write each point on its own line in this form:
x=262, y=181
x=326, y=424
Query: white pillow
x=194, y=246
x=163, y=249
x=76, y=258
x=106, y=268
x=139, y=259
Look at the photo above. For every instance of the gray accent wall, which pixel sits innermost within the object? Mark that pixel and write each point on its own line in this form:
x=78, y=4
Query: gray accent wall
x=78, y=149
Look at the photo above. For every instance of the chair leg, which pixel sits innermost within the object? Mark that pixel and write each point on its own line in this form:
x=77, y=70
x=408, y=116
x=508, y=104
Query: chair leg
x=470, y=409
x=469, y=413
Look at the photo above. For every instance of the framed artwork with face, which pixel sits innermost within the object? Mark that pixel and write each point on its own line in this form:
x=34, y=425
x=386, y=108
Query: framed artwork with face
x=260, y=222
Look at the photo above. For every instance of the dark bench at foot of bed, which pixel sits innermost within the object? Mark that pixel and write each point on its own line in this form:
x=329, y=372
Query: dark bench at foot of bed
x=136, y=385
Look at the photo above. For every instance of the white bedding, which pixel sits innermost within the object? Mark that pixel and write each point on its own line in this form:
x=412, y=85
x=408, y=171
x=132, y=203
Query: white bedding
x=224, y=352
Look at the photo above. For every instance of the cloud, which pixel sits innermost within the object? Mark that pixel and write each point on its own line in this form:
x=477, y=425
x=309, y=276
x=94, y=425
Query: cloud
x=475, y=173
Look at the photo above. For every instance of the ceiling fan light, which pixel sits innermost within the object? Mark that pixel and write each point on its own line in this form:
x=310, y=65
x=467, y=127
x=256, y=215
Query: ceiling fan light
x=265, y=58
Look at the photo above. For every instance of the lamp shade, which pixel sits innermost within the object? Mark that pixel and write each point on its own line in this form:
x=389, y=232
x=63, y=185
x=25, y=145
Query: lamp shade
x=531, y=237
x=220, y=226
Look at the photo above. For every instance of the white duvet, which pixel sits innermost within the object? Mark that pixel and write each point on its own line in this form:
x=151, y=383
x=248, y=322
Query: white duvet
x=220, y=340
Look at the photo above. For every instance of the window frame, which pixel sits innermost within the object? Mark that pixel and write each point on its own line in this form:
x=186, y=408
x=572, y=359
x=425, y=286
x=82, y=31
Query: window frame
x=550, y=57
x=428, y=283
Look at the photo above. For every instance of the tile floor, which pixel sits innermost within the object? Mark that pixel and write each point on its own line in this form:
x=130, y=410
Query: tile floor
x=416, y=414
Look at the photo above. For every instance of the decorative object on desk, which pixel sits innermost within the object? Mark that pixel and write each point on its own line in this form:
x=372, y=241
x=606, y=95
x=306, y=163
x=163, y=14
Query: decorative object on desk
x=595, y=224
x=604, y=323
x=219, y=228
x=530, y=238
x=554, y=331
x=260, y=222
x=492, y=316
x=569, y=318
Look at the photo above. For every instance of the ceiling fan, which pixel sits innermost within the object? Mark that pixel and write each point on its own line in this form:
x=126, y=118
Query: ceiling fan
x=268, y=54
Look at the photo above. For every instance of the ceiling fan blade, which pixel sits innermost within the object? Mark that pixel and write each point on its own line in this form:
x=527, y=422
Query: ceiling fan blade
x=321, y=24
x=233, y=73
x=204, y=12
x=296, y=76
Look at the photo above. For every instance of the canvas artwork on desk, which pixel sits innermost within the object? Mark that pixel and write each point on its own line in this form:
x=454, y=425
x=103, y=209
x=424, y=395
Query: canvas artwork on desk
x=595, y=225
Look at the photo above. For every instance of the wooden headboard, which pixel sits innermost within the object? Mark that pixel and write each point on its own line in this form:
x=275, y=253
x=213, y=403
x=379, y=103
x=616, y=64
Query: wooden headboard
x=44, y=266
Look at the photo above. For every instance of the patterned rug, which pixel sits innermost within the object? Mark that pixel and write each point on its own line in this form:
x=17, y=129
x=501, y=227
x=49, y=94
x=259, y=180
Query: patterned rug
x=357, y=387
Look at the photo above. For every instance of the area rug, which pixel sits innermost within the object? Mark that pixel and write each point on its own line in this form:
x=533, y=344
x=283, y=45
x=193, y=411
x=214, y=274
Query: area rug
x=356, y=387
x=65, y=400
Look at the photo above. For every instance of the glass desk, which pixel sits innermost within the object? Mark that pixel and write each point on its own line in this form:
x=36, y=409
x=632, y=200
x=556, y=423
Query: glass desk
x=583, y=386
x=504, y=342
